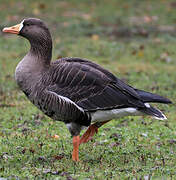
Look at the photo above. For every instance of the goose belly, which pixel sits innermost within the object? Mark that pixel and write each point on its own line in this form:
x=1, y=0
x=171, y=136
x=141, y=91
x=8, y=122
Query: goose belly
x=105, y=115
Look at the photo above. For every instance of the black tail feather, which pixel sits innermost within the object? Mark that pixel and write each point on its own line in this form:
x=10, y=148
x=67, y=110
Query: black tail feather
x=153, y=112
x=150, y=97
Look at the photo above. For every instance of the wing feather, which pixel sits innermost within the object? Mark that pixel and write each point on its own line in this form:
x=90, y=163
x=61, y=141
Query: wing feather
x=90, y=86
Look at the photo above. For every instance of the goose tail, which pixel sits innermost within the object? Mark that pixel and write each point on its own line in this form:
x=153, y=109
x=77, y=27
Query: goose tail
x=154, y=112
x=150, y=97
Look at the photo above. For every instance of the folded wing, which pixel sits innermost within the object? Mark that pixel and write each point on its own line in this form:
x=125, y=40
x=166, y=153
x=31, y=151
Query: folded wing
x=90, y=86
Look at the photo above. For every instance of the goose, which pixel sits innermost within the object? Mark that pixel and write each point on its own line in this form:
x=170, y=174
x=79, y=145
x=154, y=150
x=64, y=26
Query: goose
x=73, y=90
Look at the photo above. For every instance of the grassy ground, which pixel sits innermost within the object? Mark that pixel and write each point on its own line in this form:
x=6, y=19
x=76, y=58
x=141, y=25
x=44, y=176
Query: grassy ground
x=135, y=40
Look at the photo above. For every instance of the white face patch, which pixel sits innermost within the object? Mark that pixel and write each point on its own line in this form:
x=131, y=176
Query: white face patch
x=21, y=25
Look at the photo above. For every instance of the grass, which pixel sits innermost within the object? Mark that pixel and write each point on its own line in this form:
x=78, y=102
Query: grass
x=125, y=37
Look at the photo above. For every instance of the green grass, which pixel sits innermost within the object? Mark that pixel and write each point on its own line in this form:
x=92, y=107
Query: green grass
x=122, y=37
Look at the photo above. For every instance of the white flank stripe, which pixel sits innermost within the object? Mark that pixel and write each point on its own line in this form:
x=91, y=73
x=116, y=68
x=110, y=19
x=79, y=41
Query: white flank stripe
x=105, y=115
x=68, y=100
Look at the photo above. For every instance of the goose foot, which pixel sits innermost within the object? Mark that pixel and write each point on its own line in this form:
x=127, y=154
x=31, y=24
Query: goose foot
x=87, y=136
x=89, y=133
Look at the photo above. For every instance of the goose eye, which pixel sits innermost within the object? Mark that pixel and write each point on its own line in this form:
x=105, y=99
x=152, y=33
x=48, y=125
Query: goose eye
x=27, y=24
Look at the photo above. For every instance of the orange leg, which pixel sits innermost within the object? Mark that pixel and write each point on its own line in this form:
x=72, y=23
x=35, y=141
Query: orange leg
x=75, y=153
x=91, y=131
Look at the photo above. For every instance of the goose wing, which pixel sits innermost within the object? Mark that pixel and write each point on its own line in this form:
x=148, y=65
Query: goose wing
x=90, y=86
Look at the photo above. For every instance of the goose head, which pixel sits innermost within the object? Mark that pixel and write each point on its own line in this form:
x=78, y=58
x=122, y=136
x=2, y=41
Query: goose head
x=37, y=32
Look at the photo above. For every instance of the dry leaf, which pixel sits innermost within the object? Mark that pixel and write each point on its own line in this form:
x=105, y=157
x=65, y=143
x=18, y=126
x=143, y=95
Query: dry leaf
x=141, y=47
x=55, y=136
x=66, y=24
x=36, y=11
x=42, y=6
x=58, y=157
x=95, y=37
x=147, y=19
x=140, y=53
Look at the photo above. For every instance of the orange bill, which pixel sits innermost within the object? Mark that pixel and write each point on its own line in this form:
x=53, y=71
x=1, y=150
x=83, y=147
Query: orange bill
x=13, y=29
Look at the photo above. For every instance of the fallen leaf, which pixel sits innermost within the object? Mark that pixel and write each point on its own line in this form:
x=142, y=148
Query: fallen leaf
x=7, y=105
x=134, y=52
x=141, y=47
x=55, y=136
x=140, y=53
x=95, y=37
x=58, y=157
x=36, y=11
x=66, y=24
x=147, y=19
x=42, y=6
x=173, y=4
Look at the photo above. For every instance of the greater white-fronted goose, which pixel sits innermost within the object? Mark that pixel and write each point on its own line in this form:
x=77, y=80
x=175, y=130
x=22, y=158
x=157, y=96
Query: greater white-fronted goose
x=73, y=90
